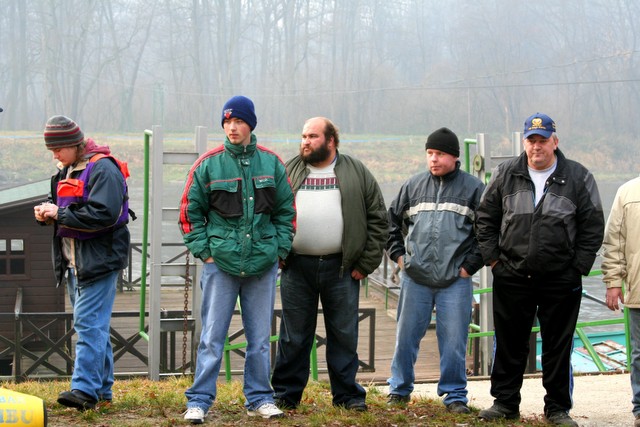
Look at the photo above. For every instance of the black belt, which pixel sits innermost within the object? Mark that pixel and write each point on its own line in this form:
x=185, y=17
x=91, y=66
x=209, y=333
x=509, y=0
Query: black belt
x=321, y=257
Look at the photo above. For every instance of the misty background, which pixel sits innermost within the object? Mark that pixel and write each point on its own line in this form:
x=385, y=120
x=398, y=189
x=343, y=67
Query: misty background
x=372, y=66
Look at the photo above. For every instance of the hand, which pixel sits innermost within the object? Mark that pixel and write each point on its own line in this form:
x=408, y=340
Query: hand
x=357, y=275
x=209, y=260
x=46, y=211
x=463, y=273
x=37, y=212
x=400, y=262
x=614, y=298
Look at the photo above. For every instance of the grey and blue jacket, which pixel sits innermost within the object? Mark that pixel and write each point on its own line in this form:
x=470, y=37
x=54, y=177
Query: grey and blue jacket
x=563, y=231
x=432, y=227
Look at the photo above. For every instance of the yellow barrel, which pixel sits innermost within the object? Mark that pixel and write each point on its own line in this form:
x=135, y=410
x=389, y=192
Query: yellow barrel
x=21, y=410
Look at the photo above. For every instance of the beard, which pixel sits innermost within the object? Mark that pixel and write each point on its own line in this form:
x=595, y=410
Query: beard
x=318, y=155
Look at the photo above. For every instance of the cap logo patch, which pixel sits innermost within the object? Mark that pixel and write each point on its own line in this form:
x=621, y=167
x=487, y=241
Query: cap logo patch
x=228, y=112
x=536, y=123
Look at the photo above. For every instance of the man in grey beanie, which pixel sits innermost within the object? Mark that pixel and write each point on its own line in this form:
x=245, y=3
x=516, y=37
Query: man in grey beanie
x=432, y=239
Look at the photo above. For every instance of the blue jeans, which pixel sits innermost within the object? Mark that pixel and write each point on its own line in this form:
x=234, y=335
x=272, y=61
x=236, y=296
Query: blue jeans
x=453, y=315
x=220, y=292
x=634, y=329
x=303, y=282
x=92, y=307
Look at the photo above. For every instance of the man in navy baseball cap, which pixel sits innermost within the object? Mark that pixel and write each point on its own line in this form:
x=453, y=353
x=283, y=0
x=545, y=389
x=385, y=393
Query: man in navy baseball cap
x=539, y=226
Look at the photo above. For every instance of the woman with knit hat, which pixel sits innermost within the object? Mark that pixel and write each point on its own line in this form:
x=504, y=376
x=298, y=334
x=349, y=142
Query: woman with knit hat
x=88, y=209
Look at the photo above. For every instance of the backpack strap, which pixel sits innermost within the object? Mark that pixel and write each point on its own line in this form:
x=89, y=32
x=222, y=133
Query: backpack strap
x=123, y=166
x=124, y=169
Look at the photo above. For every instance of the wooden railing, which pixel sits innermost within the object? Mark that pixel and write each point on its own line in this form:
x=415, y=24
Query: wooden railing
x=42, y=345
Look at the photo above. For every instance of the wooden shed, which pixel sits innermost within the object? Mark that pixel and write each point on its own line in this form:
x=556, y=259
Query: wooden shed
x=25, y=256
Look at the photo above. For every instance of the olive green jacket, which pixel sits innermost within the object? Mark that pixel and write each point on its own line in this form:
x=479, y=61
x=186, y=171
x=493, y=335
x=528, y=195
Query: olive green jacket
x=366, y=225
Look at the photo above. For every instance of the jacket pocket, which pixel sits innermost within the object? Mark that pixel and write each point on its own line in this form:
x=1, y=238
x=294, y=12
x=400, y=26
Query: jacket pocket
x=265, y=250
x=264, y=194
x=70, y=188
x=225, y=198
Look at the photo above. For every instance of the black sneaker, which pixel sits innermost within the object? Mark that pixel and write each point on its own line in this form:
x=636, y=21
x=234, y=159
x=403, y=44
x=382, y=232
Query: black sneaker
x=560, y=418
x=398, y=400
x=77, y=399
x=356, y=405
x=498, y=412
x=458, y=407
x=284, y=404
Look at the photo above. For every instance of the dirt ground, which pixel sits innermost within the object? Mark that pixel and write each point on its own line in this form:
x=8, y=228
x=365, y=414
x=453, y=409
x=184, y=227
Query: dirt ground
x=598, y=400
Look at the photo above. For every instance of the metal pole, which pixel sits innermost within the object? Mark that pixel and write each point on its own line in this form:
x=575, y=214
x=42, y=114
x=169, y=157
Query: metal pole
x=155, y=291
x=145, y=233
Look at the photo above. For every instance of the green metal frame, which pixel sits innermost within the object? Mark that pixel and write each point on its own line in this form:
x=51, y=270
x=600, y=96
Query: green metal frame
x=145, y=236
x=467, y=158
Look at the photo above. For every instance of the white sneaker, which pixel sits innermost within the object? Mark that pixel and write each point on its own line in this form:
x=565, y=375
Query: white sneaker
x=266, y=410
x=195, y=415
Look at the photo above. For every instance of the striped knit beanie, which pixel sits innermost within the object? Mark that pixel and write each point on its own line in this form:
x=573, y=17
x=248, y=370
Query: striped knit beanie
x=61, y=132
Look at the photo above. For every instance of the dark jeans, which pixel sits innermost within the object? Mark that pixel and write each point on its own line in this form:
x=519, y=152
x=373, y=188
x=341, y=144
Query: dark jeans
x=303, y=282
x=555, y=299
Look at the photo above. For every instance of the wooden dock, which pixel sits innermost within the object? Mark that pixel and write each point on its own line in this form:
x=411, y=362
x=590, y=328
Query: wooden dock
x=427, y=366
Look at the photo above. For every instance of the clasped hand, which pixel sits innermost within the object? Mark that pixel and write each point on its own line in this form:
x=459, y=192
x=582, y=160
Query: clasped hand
x=45, y=211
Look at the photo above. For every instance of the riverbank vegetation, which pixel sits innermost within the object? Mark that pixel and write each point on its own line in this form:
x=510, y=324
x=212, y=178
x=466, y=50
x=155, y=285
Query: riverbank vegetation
x=392, y=158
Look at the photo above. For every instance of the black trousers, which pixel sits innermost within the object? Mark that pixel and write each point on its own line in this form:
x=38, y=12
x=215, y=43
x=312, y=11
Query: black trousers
x=517, y=298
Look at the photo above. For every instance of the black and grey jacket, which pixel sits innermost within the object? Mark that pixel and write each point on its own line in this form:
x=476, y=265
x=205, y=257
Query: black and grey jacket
x=563, y=231
x=432, y=221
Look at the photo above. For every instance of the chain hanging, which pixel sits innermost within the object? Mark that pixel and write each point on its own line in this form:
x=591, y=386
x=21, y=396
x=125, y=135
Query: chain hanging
x=185, y=317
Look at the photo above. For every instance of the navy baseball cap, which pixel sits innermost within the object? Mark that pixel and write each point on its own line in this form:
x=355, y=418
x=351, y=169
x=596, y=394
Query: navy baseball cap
x=539, y=124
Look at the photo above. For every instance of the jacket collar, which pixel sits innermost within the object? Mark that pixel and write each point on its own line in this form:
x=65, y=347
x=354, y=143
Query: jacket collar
x=239, y=150
x=524, y=168
x=450, y=175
